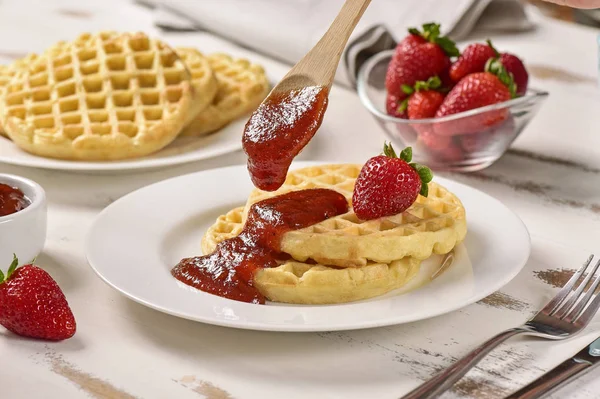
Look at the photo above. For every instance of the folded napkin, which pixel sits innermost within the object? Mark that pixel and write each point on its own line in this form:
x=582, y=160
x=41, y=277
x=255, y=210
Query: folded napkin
x=287, y=29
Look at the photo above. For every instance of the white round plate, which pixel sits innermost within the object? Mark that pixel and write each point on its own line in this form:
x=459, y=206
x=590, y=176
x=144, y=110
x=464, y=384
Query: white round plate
x=134, y=243
x=181, y=151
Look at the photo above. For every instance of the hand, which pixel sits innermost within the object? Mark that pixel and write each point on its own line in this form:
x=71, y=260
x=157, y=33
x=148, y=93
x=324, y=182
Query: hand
x=577, y=3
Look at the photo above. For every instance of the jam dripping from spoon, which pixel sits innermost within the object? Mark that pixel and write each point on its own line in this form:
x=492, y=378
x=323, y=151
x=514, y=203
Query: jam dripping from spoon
x=279, y=129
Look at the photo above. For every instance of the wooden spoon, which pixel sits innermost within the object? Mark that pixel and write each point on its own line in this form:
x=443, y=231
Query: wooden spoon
x=291, y=114
x=318, y=66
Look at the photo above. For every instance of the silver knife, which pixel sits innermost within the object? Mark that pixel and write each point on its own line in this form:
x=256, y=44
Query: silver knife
x=564, y=373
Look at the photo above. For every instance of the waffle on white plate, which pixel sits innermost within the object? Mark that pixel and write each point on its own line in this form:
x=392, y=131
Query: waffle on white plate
x=101, y=98
x=344, y=259
x=309, y=283
x=242, y=86
x=203, y=78
x=433, y=224
x=112, y=95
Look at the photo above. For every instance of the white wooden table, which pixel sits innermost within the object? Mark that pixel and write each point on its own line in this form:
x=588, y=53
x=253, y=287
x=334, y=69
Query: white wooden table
x=551, y=178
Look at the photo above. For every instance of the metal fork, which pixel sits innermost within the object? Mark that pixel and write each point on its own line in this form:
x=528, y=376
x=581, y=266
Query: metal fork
x=569, y=312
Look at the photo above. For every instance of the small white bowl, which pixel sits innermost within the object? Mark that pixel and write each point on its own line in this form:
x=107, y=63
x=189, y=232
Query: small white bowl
x=23, y=233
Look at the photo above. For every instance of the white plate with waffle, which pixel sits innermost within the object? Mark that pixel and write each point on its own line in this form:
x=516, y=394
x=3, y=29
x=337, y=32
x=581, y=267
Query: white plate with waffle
x=113, y=101
x=137, y=262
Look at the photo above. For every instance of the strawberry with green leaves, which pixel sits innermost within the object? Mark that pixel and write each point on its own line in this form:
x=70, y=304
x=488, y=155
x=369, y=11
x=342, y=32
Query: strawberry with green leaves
x=475, y=58
x=33, y=305
x=424, y=98
x=420, y=56
x=473, y=91
x=393, y=106
x=472, y=59
x=516, y=68
x=388, y=184
x=413, y=38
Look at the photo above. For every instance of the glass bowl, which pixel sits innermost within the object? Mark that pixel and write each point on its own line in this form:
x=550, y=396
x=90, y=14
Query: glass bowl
x=467, y=141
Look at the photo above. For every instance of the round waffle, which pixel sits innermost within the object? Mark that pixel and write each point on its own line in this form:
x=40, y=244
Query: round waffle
x=241, y=88
x=303, y=283
x=203, y=78
x=17, y=68
x=7, y=73
x=101, y=97
x=431, y=225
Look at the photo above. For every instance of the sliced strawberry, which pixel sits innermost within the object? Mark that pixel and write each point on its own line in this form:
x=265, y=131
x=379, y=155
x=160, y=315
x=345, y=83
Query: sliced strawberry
x=388, y=184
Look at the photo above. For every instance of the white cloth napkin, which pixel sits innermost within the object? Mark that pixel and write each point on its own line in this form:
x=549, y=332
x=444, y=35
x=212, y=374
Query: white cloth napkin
x=287, y=29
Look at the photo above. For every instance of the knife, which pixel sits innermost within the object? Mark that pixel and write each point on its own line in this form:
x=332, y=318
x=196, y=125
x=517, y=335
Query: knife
x=564, y=373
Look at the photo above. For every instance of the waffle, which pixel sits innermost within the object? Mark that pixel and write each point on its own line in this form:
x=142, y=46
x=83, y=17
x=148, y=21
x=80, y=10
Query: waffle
x=101, y=97
x=18, y=67
x=303, y=283
x=241, y=88
x=431, y=225
x=7, y=72
x=203, y=78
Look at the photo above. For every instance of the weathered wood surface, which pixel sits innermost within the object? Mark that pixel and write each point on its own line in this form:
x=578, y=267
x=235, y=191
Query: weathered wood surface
x=551, y=178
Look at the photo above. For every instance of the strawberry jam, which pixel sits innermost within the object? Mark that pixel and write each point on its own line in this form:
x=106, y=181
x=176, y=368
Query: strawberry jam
x=229, y=270
x=12, y=200
x=278, y=130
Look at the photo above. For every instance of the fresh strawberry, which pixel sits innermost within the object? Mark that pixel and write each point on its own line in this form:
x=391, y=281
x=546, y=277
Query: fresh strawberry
x=474, y=91
x=475, y=58
x=424, y=99
x=388, y=185
x=392, y=80
x=409, y=41
x=515, y=66
x=32, y=304
x=447, y=82
x=424, y=104
x=472, y=60
x=394, y=108
x=414, y=61
x=439, y=147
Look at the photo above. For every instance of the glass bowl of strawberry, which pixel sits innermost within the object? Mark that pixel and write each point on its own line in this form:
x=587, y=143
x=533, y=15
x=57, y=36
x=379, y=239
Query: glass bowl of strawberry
x=461, y=114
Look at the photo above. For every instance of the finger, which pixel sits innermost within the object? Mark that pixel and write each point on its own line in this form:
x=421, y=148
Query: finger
x=587, y=4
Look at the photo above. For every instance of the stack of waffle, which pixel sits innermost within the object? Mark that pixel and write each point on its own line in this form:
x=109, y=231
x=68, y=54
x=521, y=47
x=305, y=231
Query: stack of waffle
x=345, y=259
x=111, y=96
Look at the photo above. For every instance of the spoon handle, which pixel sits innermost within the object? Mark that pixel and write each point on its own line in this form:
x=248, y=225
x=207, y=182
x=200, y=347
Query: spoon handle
x=324, y=57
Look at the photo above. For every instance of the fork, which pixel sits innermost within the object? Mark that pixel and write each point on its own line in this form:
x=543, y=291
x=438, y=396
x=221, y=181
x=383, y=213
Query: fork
x=564, y=316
